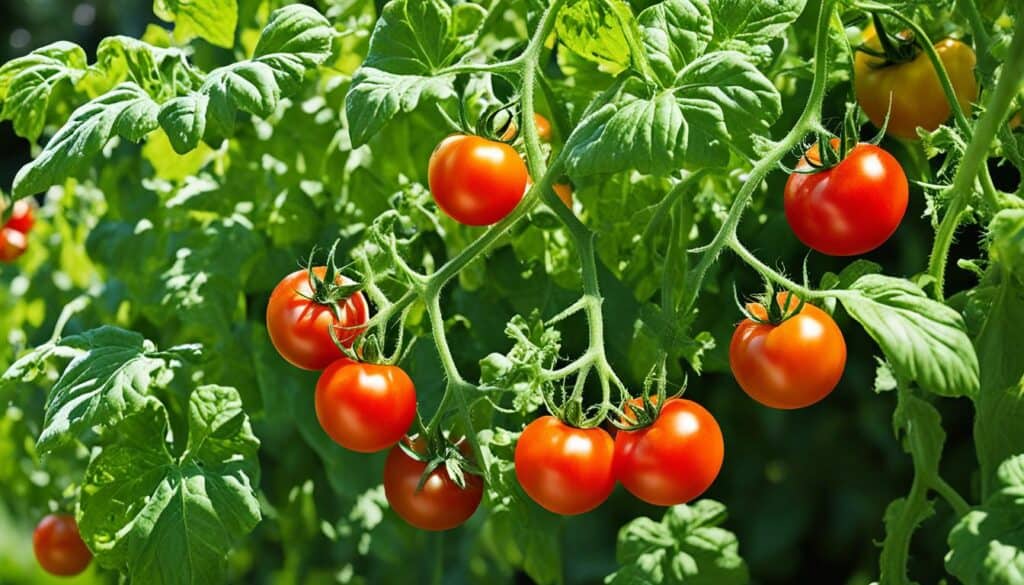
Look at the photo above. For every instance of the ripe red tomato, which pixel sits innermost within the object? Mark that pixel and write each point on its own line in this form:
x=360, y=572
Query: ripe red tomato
x=59, y=547
x=365, y=407
x=543, y=128
x=22, y=216
x=12, y=244
x=790, y=365
x=851, y=208
x=476, y=181
x=564, y=192
x=440, y=504
x=299, y=327
x=913, y=87
x=565, y=469
x=675, y=459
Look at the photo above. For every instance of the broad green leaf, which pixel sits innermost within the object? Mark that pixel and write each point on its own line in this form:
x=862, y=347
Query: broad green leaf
x=296, y=39
x=1006, y=234
x=162, y=73
x=920, y=426
x=110, y=377
x=687, y=546
x=599, y=31
x=412, y=42
x=27, y=84
x=749, y=25
x=924, y=340
x=170, y=518
x=212, y=20
x=126, y=111
x=675, y=32
x=714, y=105
x=987, y=545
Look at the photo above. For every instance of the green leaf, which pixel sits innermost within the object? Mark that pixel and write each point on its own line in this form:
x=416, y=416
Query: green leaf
x=714, y=105
x=412, y=42
x=675, y=33
x=749, y=25
x=184, y=121
x=28, y=83
x=987, y=545
x=110, y=377
x=599, y=31
x=924, y=340
x=212, y=20
x=125, y=111
x=687, y=546
x=167, y=518
x=162, y=73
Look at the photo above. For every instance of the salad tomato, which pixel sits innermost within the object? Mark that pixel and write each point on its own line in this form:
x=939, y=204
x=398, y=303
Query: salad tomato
x=476, y=181
x=440, y=504
x=365, y=407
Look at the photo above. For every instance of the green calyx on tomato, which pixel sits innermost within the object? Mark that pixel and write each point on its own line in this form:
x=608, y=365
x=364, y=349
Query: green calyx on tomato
x=774, y=309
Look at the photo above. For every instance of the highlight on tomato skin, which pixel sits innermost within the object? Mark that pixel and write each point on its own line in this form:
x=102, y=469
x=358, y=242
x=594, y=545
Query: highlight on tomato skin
x=564, y=469
x=59, y=547
x=675, y=459
x=440, y=504
x=790, y=365
x=13, y=244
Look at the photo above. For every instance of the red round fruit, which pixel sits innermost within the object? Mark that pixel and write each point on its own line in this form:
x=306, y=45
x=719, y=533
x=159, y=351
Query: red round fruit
x=476, y=181
x=299, y=327
x=12, y=244
x=675, y=459
x=851, y=208
x=365, y=407
x=22, y=216
x=59, y=547
x=440, y=504
x=790, y=365
x=565, y=469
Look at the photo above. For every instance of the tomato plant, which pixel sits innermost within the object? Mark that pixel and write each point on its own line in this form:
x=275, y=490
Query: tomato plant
x=302, y=283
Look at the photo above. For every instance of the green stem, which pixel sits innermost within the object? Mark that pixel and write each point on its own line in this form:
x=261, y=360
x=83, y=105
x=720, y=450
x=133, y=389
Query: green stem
x=976, y=155
x=952, y=497
x=896, y=547
x=809, y=121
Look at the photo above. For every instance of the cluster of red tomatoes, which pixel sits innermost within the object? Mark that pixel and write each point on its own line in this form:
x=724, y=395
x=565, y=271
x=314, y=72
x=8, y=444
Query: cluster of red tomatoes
x=14, y=233
x=797, y=358
x=569, y=470
x=364, y=407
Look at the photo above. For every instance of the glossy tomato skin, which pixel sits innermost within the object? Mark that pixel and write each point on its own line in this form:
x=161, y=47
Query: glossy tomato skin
x=476, y=181
x=791, y=365
x=58, y=546
x=566, y=470
x=22, y=217
x=440, y=504
x=917, y=96
x=675, y=459
x=13, y=244
x=299, y=328
x=851, y=208
x=365, y=407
